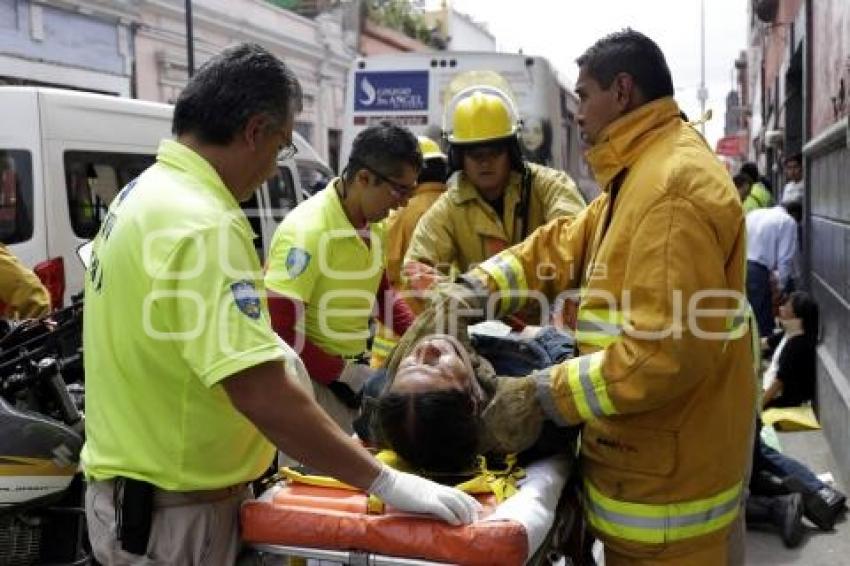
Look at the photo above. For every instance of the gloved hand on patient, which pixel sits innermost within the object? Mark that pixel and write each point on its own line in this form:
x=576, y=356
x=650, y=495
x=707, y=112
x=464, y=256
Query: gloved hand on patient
x=418, y=495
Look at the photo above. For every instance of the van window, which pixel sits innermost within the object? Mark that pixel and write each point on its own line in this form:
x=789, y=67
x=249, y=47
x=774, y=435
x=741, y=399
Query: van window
x=282, y=193
x=92, y=179
x=16, y=195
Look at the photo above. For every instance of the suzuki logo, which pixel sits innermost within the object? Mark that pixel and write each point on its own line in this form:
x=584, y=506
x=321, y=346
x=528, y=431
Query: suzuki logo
x=369, y=91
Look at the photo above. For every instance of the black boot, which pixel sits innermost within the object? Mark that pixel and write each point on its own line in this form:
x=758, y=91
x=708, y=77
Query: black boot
x=766, y=483
x=784, y=512
x=822, y=507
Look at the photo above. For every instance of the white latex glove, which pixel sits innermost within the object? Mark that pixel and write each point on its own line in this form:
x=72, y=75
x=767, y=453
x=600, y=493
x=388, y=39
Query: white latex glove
x=355, y=375
x=417, y=495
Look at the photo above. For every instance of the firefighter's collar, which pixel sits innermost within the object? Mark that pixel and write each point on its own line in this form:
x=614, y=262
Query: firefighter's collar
x=627, y=137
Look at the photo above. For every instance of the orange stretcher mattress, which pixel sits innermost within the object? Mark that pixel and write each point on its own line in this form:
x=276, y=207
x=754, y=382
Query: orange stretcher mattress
x=337, y=519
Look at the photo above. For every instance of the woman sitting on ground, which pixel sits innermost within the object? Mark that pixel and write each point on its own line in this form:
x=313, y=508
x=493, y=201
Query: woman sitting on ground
x=790, y=379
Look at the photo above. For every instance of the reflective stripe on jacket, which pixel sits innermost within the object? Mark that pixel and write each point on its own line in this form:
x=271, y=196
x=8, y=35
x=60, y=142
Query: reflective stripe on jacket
x=664, y=381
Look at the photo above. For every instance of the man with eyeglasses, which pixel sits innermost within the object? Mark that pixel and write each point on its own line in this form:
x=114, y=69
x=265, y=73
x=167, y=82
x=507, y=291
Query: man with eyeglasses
x=326, y=267
x=494, y=201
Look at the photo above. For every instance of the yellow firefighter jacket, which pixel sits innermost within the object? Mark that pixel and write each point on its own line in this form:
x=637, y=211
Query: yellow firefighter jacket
x=22, y=295
x=400, y=226
x=462, y=229
x=664, y=382
x=402, y=222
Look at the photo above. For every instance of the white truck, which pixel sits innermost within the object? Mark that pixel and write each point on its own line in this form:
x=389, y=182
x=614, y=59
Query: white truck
x=65, y=154
x=413, y=89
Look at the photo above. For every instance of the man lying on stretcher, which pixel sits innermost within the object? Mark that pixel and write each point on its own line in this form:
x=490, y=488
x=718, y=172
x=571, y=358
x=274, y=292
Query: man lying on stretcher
x=433, y=406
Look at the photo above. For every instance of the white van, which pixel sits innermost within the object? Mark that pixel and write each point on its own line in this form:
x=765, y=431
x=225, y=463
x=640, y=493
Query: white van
x=65, y=154
x=412, y=89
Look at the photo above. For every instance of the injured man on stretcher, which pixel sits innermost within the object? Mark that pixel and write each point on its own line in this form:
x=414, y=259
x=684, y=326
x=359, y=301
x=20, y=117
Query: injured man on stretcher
x=433, y=407
x=433, y=403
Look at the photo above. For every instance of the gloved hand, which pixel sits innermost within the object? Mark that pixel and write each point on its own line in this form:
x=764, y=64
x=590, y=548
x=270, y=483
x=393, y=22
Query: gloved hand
x=514, y=417
x=417, y=495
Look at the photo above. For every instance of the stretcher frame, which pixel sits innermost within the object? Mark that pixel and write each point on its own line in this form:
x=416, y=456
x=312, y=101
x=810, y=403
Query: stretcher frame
x=352, y=558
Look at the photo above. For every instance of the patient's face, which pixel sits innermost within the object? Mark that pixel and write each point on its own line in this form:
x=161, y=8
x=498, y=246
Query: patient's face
x=437, y=361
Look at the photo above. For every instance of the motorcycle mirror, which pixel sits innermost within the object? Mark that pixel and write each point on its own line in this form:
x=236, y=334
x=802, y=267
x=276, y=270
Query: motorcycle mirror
x=84, y=253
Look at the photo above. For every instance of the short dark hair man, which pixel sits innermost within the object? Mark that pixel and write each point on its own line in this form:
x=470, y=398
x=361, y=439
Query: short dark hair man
x=325, y=269
x=663, y=384
x=187, y=386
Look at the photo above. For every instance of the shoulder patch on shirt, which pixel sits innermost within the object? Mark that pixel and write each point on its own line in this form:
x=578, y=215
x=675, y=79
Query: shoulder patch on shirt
x=246, y=297
x=297, y=261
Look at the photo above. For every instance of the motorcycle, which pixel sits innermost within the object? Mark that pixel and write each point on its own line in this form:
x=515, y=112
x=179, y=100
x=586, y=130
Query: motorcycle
x=42, y=401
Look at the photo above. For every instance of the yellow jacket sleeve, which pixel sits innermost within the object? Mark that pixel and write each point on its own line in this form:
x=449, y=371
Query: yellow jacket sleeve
x=547, y=263
x=433, y=240
x=666, y=348
x=21, y=291
x=559, y=193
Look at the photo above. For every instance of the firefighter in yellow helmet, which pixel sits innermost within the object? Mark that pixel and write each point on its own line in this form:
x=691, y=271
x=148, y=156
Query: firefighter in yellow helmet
x=495, y=200
x=664, y=382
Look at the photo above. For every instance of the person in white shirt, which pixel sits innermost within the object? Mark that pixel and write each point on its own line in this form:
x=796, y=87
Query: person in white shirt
x=793, y=190
x=771, y=247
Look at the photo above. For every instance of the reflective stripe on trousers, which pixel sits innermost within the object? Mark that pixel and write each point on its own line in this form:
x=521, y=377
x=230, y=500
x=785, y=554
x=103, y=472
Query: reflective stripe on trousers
x=656, y=524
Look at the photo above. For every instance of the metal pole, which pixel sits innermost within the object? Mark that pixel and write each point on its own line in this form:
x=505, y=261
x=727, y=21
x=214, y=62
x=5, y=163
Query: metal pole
x=190, y=40
x=703, y=93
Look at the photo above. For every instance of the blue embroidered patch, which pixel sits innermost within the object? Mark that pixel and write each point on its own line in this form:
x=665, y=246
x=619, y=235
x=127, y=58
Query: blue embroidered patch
x=297, y=261
x=246, y=297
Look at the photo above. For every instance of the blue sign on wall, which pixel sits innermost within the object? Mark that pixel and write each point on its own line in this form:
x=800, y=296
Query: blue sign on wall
x=382, y=91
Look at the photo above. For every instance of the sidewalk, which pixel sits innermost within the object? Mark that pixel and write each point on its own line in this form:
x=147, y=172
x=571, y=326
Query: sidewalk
x=818, y=547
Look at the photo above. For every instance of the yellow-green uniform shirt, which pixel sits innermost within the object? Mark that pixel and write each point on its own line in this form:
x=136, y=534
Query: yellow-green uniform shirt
x=174, y=303
x=318, y=258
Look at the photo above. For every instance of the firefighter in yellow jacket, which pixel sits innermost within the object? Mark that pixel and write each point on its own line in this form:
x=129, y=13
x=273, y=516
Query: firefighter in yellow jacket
x=664, y=382
x=400, y=225
x=495, y=200
x=22, y=295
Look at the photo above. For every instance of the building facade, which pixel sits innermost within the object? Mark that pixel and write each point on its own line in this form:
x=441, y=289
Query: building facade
x=827, y=169
x=318, y=50
x=797, y=77
x=85, y=45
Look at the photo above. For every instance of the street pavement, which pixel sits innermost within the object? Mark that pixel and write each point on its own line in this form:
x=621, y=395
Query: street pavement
x=818, y=547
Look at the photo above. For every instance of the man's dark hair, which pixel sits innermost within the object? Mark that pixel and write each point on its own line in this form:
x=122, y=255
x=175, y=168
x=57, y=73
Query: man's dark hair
x=629, y=51
x=806, y=309
x=740, y=179
x=433, y=431
x=795, y=158
x=434, y=170
x=232, y=87
x=751, y=170
x=385, y=148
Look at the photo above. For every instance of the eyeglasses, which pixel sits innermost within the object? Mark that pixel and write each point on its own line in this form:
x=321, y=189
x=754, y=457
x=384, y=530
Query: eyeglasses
x=398, y=190
x=288, y=151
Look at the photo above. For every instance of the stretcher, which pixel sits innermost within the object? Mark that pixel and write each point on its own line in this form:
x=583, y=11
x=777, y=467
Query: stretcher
x=331, y=525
